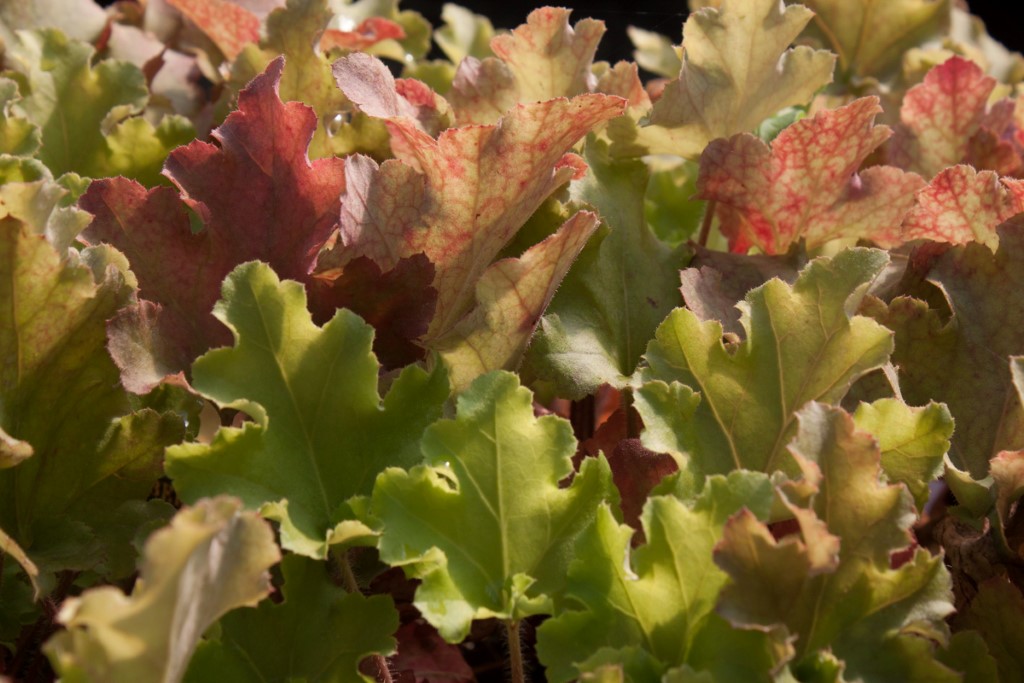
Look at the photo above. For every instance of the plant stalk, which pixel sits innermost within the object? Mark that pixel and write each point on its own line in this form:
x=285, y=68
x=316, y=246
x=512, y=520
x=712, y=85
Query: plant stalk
x=515, y=652
x=705, y=225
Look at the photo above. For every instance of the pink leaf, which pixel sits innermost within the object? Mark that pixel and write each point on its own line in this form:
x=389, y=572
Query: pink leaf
x=230, y=26
x=961, y=205
x=808, y=184
x=943, y=121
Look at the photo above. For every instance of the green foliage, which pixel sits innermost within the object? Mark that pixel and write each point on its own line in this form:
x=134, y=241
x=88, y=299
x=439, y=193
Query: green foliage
x=347, y=322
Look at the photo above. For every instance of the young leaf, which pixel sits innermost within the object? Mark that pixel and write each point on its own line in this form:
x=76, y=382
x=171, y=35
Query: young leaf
x=29, y=194
x=738, y=69
x=961, y=205
x=542, y=59
x=511, y=296
x=318, y=633
x=73, y=450
x=609, y=306
x=823, y=583
x=320, y=433
x=964, y=362
x=212, y=558
x=18, y=136
x=808, y=184
x=661, y=600
x=912, y=441
x=941, y=117
x=870, y=37
x=801, y=345
x=498, y=536
x=464, y=34
x=297, y=31
x=65, y=94
x=257, y=197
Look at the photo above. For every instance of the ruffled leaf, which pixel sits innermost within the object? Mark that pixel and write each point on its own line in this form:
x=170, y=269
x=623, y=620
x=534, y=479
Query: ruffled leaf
x=320, y=432
x=498, y=537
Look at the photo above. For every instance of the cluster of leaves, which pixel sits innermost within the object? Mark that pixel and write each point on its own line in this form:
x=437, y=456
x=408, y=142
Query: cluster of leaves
x=290, y=342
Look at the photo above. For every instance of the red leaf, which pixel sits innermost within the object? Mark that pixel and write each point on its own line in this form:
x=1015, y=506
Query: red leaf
x=808, y=184
x=256, y=194
x=398, y=303
x=635, y=470
x=424, y=657
x=228, y=25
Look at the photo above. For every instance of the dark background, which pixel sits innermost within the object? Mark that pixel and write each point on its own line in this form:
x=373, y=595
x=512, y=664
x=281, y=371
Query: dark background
x=1004, y=18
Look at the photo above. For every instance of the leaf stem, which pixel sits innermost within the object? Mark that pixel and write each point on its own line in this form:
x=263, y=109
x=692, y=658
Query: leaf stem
x=632, y=421
x=705, y=225
x=515, y=652
x=349, y=582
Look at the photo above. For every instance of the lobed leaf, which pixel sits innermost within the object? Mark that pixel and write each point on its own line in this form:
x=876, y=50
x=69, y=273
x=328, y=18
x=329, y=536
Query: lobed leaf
x=320, y=432
x=835, y=576
x=942, y=119
x=738, y=69
x=961, y=205
x=963, y=361
x=802, y=344
x=808, y=185
x=257, y=196
x=869, y=38
x=318, y=632
x=212, y=558
x=63, y=92
x=500, y=530
x=229, y=25
x=623, y=286
x=661, y=599
x=540, y=60
x=74, y=452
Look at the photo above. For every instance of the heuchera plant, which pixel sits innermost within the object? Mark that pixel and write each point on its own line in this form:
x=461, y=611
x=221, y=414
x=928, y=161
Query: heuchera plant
x=324, y=361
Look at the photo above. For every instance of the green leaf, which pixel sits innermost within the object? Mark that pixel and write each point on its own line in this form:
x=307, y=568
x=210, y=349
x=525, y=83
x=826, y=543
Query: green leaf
x=540, y=60
x=608, y=308
x=320, y=432
x=212, y=558
x=483, y=522
x=511, y=296
x=997, y=614
x=86, y=115
x=464, y=34
x=801, y=345
x=913, y=441
x=832, y=585
x=870, y=38
x=29, y=193
x=738, y=69
x=318, y=633
x=661, y=600
x=295, y=31
x=18, y=136
x=964, y=361
x=73, y=446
